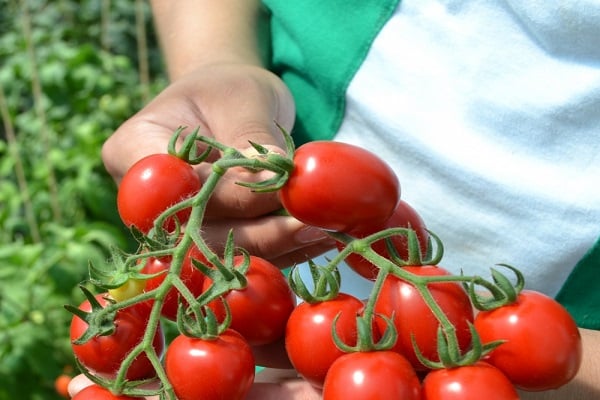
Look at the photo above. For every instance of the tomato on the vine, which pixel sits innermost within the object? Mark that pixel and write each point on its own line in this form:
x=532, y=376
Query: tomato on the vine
x=472, y=382
x=103, y=355
x=312, y=323
x=412, y=316
x=207, y=369
x=151, y=186
x=404, y=216
x=339, y=187
x=260, y=310
x=543, y=346
x=96, y=392
x=375, y=375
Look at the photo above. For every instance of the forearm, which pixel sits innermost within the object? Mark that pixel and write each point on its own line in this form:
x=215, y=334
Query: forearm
x=586, y=385
x=193, y=33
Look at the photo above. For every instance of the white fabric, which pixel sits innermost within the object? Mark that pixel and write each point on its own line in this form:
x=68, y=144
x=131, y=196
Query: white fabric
x=489, y=112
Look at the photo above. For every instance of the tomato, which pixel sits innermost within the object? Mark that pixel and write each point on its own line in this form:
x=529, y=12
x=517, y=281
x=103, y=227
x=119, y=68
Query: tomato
x=153, y=184
x=131, y=288
x=312, y=323
x=222, y=368
x=472, y=382
x=190, y=275
x=412, y=316
x=404, y=216
x=102, y=355
x=543, y=347
x=339, y=187
x=259, y=311
x=95, y=392
x=377, y=375
x=61, y=385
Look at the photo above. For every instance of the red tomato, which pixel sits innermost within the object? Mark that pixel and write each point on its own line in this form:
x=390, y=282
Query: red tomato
x=152, y=185
x=259, y=311
x=61, y=385
x=412, y=316
x=190, y=275
x=339, y=187
x=377, y=375
x=103, y=354
x=403, y=217
x=95, y=392
x=473, y=382
x=543, y=344
x=312, y=323
x=222, y=368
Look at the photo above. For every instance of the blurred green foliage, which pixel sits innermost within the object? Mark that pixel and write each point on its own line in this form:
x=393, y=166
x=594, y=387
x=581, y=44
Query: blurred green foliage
x=69, y=76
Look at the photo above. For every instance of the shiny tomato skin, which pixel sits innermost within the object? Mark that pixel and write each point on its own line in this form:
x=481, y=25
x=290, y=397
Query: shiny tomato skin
x=102, y=355
x=260, y=310
x=404, y=216
x=95, y=392
x=153, y=184
x=473, y=382
x=377, y=375
x=217, y=369
x=312, y=323
x=543, y=346
x=337, y=186
x=412, y=316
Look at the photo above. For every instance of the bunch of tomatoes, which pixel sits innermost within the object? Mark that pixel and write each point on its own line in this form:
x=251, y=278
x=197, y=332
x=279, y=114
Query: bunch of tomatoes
x=423, y=333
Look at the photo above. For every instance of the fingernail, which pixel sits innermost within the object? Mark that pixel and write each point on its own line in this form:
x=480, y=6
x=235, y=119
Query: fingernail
x=310, y=234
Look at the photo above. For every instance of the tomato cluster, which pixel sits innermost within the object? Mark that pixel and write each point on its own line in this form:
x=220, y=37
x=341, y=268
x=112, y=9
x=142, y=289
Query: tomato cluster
x=416, y=337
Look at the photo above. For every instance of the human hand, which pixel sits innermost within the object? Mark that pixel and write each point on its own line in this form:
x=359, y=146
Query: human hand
x=234, y=104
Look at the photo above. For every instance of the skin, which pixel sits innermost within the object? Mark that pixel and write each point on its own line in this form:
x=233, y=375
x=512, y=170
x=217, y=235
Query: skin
x=219, y=83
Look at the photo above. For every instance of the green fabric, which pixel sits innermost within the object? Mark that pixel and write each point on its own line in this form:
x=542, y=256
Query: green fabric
x=580, y=294
x=316, y=47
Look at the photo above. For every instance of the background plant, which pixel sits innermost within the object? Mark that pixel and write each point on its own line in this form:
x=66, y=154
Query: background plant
x=70, y=73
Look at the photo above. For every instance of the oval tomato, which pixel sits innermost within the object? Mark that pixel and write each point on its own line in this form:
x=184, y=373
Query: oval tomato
x=312, y=323
x=95, y=392
x=472, y=382
x=339, y=187
x=153, y=184
x=377, y=375
x=222, y=368
x=103, y=355
x=543, y=347
x=260, y=310
x=411, y=315
x=404, y=216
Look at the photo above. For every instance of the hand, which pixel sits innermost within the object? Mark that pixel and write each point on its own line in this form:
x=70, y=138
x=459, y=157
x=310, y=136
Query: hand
x=233, y=103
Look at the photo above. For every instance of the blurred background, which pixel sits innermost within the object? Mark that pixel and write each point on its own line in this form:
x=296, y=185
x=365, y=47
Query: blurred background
x=71, y=72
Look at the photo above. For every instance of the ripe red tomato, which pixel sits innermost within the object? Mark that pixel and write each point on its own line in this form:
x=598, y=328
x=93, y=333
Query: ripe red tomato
x=339, y=187
x=412, y=316
x=152, y=185
x=472, y=382
x=190, y=275
x=217, y=369
x=376, y=375
x=312, y=323
x=103, y=354
x=543, y=345
x=95, y=392
x=404, y=216
x=259, y=311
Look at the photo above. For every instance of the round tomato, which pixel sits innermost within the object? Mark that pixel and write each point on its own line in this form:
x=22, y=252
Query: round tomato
x=260, y=310
x=411, y=315
x=543, y=347
x=191, y=276
x=153, y=184
x=472, y=382
x=103, y=355
x=377, y=375
x=312, y=323
x=95, y=392
x=222, y=368
x=61, y=385
x=339, y=187
x=404, y=216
